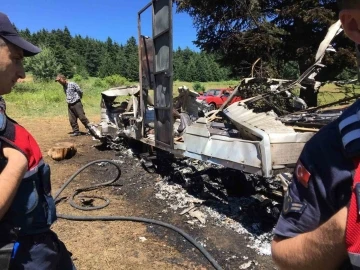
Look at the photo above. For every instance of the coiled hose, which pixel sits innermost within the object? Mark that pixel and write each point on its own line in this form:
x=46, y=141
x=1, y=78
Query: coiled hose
x=119, y=218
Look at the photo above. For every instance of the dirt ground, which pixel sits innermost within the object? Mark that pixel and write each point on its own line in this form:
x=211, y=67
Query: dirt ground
x=130, y=245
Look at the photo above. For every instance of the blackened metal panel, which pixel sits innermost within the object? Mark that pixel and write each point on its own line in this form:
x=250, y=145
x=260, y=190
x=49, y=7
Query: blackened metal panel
x=143, y=90
x=162, y=53
x=161, y=22
x=163, y=127
x=162, y=37
x=163, y=91
x=147, y=62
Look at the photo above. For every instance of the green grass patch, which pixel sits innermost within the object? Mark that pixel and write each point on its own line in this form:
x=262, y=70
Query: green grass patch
x=330, y=92
x=41, y=99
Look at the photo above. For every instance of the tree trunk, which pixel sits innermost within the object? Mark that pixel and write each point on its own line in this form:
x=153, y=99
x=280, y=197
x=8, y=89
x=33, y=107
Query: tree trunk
x=63, y=150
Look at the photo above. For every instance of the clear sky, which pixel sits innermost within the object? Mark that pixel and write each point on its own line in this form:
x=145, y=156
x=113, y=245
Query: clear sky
x=97, y=19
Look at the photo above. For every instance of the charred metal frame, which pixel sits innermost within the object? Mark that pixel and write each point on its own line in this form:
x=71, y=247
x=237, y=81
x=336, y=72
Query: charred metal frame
x=162, y=32
x=264, y=138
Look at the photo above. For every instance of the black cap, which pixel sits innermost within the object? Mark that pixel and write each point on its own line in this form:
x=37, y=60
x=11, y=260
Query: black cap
x=8, y=32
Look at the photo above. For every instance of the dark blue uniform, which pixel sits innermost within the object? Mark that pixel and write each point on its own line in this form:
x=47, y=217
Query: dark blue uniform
x=41, y=252
x=25, y=227
x=323, y=177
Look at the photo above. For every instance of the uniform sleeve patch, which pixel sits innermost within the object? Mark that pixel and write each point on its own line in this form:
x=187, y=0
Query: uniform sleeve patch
x=302, y=174
x=290, y=206
x=2, y=120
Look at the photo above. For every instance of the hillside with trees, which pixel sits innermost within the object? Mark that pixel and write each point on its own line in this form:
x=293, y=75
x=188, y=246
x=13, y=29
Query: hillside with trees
x=86, y=56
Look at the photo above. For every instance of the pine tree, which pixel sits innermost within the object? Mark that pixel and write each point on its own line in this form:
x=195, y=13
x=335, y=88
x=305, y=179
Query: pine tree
x=107, y=66
x=25, y=34
x=92, y=56
x=110, y=47
x=66, y=38
x=132, y=62
x=201, y=71
x=63, y=59
x=215, y=70
x=78, y=63
x=120, y=60
x=191, y=74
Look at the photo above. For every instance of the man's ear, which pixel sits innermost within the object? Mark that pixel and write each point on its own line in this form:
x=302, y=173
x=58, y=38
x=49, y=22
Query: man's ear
x=350, y=24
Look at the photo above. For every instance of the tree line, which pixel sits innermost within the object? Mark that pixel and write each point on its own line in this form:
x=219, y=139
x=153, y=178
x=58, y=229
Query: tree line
x=85, y=56
x=285, y=34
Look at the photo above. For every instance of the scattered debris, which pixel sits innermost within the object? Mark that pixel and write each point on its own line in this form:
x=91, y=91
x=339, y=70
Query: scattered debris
x=129, y=152
x=246, y=265
x=186, y=210
x=142, y=239
x=199, y=215
x=233, y=257
x=192, y=222
x=232, y=214
x=102, y=164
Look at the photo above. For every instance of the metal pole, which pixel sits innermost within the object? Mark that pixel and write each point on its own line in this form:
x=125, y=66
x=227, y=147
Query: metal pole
x=170, y=76
x=145, y=8
x=142, y=109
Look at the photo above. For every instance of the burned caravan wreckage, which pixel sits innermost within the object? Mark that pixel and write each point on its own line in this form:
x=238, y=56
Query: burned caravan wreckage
x=261, y=135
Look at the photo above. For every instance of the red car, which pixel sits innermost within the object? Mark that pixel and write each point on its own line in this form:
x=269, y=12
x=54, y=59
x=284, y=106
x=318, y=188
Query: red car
x=216, y=97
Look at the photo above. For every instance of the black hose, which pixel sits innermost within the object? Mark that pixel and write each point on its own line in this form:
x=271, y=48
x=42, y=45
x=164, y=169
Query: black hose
x=122, y=218
x=79, y=190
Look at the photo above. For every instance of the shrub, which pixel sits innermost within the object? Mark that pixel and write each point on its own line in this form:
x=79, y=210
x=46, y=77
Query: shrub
x=24, y=87
x=291, y=70
x=100, y=83
x=116, y=80
x=82, y=72
x=77, y=78
x=346, y=74
x=198, y=87
x=44, y=65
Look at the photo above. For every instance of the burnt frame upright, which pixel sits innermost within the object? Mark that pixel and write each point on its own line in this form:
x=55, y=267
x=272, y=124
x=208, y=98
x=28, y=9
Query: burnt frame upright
x=160, y=78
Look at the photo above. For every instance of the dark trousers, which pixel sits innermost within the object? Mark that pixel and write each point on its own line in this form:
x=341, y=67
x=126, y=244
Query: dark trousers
x=41, y=252
x=76, y=111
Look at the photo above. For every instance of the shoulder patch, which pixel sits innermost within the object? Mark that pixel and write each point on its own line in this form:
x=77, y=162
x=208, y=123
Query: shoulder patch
x=3, y=120
x=302, y=174
x=289, y=206
x=349, y=129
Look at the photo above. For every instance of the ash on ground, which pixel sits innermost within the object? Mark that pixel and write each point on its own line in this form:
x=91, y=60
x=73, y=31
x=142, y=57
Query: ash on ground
x=204, y=193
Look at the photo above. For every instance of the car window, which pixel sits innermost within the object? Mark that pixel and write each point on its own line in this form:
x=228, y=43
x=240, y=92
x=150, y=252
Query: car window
x=226, y=94
x=217, y=92
x=210, y=92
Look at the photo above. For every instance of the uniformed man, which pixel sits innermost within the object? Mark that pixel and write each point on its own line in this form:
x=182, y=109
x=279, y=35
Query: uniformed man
x=319, y=224
x=27, y=208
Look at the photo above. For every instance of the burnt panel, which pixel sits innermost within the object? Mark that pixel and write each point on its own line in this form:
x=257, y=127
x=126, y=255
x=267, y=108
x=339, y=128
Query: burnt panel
x=147, y=59
x=162, y=52
x=162, y=38
x=161, y=21
x=163, y=91
x=163, y=127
